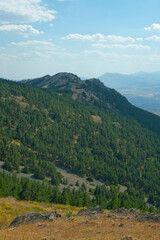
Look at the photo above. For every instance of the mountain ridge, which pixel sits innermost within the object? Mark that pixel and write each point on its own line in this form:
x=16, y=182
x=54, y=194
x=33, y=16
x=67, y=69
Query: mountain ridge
x=84, y=126
x=93, y=91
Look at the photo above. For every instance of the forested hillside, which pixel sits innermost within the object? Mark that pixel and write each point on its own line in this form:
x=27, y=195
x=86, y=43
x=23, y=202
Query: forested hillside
x=99, y=135
x=93, y=92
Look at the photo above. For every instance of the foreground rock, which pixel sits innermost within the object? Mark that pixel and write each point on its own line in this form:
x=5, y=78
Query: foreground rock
x=91, y=211
x=127, y=238
x=148, y=217
x=34, y=217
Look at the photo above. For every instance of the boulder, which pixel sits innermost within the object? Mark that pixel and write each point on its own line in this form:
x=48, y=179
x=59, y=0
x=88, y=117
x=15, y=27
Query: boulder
x=124, y=211
x=121, y=225
x=148, y=217
x=90, y=211
x=121, y=211
x=134, y=211
x=126, y=238
x=34, y=217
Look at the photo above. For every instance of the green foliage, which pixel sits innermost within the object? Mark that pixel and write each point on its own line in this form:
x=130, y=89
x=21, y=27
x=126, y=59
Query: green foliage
x=110, y=198
x=26, y=189
x=41, y=127
x=69, y=214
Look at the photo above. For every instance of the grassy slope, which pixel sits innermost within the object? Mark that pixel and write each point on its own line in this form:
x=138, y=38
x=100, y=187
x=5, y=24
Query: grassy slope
x=78, y=228
x=11, y=208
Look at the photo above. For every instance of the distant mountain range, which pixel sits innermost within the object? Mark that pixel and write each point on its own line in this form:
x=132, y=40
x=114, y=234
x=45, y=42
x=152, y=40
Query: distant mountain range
x=141, y=89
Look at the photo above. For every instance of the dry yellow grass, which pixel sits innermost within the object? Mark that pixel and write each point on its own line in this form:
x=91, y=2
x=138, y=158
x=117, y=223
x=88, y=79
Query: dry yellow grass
x=11, y=208
x=79, y=228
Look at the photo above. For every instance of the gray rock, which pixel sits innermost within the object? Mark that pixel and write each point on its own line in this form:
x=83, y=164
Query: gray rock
x=121, y=225
x=149, y=217
x=126, y=238
x=121, y=211
x=93, y=216
x=90, y=211
x=34, y=217
x=134, y=211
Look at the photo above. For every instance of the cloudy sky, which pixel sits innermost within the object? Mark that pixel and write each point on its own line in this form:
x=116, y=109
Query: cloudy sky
x=85, y=37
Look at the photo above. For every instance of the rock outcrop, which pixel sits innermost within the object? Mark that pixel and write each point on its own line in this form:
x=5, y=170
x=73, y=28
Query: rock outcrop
x=121, y=211
x=90, y=211
x=34, y=217
x=134, y=211
x=124, y=211
x=148, y=217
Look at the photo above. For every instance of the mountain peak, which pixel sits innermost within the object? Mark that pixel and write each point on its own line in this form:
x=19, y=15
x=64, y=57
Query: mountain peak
x=64, y=77
x=62, y=80
x=96, y=81
x=69, y=76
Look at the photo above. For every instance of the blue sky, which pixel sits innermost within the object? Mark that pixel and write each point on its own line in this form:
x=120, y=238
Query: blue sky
x=85, y=37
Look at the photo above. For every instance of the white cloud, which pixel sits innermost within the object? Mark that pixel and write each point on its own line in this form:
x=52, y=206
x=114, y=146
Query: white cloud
x=144, y=61
x=122, y=46
x=36, y=43
x=153, y=38
x=20, y=11
x=110, y=56
x=139, y=39
x=79, y=37
x=99, y=37
x=34, y=54
x=112, y=38
x=42, y=48
x=153, y=27
x=24, y=30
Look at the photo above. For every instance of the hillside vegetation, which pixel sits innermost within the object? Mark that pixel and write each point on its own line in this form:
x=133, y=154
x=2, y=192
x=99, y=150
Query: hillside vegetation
x=84, y=126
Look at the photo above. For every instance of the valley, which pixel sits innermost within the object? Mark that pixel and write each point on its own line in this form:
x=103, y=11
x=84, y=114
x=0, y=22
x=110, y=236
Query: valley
x=141, y=89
